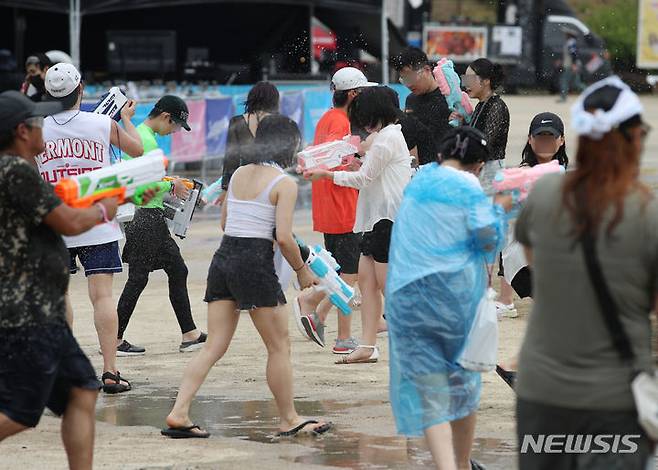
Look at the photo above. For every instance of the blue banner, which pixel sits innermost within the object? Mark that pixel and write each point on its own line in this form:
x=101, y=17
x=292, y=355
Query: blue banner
x=218, y=114
x=316, y=103
x=292, y=105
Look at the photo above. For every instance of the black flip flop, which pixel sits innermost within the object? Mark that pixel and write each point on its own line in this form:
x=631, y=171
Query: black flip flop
x=507, y=375
x=185, y=432
x=294, y=431
x=117, y=386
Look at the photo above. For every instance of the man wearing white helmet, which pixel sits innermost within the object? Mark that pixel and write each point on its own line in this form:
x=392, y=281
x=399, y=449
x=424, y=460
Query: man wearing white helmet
x=334, y=212
x=77, y=142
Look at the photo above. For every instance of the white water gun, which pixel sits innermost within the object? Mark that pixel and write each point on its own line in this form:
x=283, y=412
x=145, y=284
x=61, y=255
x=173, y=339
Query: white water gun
x=325, y=267
x=180, y=212
x=328, y=155
x=125, y=180
x=111, y=103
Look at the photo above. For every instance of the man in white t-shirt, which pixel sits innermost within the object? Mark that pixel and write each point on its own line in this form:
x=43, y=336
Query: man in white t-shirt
x=77, y=142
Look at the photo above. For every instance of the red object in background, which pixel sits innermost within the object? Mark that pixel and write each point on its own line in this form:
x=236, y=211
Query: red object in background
x=324, y=39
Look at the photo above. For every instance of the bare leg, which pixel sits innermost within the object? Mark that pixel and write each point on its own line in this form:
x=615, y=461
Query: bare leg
x=371, y=307
x=439, y=440
x=272, y=325
x=78, y=426
x=506, y=292
x=511, y=365
x=69, y=311
x=9, y=427
x=463, y=432
x=106, y=318
x=222, y=322
x=309, y=302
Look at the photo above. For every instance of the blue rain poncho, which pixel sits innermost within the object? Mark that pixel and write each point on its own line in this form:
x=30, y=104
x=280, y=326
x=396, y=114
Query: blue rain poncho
x=445, y=233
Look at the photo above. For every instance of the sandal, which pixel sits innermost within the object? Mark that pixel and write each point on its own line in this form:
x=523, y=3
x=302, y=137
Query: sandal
x=374, y=357
x=316, y=431
x=507, y=375
x=185, y=432
x=117, y=386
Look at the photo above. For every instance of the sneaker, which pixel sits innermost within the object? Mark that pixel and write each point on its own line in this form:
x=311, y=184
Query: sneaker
x=506, y=311
x=345, y=346
x=313, y=328
x=189, y=346
x=126, y=349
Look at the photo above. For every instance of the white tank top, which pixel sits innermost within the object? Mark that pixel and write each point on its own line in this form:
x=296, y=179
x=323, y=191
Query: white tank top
x=253, y=218
x=77, y=142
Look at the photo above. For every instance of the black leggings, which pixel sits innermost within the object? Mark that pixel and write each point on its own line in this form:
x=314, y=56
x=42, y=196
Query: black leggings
x=138, y=277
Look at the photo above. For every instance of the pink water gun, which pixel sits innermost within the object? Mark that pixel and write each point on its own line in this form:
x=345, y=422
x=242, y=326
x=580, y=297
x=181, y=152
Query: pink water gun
x=328, y=156
x=450, y=87
x=521, y=180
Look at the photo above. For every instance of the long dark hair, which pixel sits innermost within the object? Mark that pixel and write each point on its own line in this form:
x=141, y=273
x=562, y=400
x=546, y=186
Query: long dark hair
x=262, y=97
x=528, y=157
x=487, y=70
x=372, y=106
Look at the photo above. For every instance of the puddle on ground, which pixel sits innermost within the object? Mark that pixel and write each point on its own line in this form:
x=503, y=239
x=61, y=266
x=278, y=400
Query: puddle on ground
x=256, y=420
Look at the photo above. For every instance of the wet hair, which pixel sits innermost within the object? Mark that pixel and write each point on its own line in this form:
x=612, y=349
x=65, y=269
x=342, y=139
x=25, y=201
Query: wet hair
x=392, y=95
x=411, y=57
x=340, y=98
x=277, y=141
x=68, y=101
x=371, y=107
x=487, y=70
x=606, y=171
x=466, y=144
x=262, y=97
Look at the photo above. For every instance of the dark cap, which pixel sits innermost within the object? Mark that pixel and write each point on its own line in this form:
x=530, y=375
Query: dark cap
x=15, y=108
x=547, y=122
x=176, y=107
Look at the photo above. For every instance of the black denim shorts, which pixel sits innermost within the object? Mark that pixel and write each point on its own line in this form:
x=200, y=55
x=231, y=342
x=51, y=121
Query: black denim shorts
x=377, y=242
x=345, y=248
x=38, y=367
x=242, y=270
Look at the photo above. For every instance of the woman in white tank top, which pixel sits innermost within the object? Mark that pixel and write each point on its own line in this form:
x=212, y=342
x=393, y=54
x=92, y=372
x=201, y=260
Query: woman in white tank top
x=261, y=198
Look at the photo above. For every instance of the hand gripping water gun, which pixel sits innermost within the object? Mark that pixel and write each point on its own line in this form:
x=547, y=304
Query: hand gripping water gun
x=124, y=180
x=519, y=181
x=211, y=194
x=328, y=155
x=111, y=103
x=450, y=87
x=325, y=267
x=180, y=212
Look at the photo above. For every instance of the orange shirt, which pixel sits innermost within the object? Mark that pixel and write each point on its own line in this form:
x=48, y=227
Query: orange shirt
x=334, y=207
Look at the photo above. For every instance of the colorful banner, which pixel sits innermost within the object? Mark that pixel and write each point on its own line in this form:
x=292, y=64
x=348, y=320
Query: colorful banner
x=647, y=34
x=191, y=146
x=292, y=105
x=218, y=114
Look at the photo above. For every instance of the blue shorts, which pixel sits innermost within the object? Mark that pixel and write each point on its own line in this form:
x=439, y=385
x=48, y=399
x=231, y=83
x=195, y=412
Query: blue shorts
x=97, y=259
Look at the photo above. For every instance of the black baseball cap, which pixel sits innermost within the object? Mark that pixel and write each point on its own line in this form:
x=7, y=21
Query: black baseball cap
x=547, y=122
x=176, y=107
x=15, y=108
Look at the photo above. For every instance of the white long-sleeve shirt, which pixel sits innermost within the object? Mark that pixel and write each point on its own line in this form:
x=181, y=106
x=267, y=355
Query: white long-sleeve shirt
x=381, y=180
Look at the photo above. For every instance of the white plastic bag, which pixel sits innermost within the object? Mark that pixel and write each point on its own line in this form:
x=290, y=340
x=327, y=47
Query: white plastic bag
x=645, y=392
x=479, y=354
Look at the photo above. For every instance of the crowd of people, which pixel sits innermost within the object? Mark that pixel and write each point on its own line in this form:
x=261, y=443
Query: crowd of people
x=412, y=219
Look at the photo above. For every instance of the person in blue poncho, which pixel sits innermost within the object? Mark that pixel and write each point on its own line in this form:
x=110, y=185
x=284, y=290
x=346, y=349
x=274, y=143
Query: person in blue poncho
x=446, y=232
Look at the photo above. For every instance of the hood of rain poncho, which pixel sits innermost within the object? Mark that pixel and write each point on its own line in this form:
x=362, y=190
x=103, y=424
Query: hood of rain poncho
x=444, y=223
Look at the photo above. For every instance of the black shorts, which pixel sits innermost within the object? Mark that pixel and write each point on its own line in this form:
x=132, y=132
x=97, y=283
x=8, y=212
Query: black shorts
x=38, y=368
x=345, y=248
x=522, y=282
x=242, y=270
x=535, y=419
x=97, y=259
x=377, y=242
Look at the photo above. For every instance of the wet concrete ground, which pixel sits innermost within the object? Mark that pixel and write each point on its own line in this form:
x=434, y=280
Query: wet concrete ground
x=256, y=420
